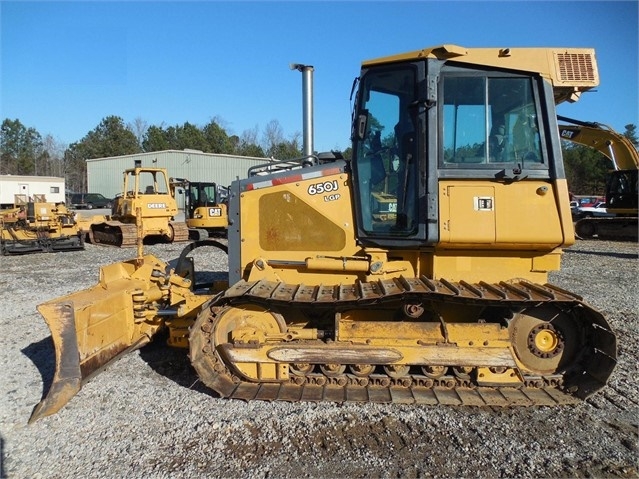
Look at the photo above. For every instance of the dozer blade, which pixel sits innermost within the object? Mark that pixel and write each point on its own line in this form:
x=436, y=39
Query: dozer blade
x=95, y=326
x=67, y=378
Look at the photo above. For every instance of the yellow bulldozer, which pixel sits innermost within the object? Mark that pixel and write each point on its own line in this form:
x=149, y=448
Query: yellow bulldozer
x=438, y=296
x=34, y=226
x=147, y=203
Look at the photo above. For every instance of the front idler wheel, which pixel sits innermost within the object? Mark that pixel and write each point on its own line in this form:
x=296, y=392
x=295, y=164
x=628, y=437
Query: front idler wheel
x=546, y=340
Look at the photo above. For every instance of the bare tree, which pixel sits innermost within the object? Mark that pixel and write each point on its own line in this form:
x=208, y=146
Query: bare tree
x=250, y=136
x=139, y=128
x=54, y=151
x=248, y=144
x=273, y=136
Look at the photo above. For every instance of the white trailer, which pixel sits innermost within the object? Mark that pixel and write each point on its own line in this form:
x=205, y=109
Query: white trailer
x=51, y=187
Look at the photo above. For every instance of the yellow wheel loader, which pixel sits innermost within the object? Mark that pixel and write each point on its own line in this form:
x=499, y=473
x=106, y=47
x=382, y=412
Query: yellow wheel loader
x=38, y=226
x=147, y=190
x=437, y=295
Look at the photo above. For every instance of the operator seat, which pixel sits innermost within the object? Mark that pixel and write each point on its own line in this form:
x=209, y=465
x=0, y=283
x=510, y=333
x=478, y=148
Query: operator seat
x=497, y=143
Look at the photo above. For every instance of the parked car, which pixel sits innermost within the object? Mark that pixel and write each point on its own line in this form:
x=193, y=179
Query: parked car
x=588, y=201
x=598, y=210
x=89, y=201
x=574, y=206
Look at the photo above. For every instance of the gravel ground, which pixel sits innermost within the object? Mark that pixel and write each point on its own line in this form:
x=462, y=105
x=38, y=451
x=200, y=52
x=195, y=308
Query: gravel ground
x=147, y=415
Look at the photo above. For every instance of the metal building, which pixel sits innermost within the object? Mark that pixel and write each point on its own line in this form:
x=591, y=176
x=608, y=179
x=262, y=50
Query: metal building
x=105, y=175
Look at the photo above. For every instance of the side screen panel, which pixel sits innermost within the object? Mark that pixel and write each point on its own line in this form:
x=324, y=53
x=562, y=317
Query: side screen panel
x=287, y=223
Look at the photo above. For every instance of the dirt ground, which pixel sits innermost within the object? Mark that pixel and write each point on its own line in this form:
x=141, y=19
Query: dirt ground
x=147, y=415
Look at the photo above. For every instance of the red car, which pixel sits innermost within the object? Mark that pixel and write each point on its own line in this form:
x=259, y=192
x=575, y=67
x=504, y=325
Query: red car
x=588, y=201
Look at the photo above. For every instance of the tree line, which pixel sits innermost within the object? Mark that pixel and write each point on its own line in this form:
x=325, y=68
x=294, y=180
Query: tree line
x=586, y=168
x=24, y=151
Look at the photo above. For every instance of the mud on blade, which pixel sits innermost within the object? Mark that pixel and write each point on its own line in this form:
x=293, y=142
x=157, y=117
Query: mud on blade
x=92, y=327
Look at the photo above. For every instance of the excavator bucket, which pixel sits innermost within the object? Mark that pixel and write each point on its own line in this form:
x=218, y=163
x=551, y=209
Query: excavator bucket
x=95, y=326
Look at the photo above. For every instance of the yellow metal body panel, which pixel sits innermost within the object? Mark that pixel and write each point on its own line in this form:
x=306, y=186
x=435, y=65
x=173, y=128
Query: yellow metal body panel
x=491, y=266
x=571, y=70
x=156, y=209
x=409, y=333
x=467, y=214
x=291, y=222
x=153, y=206
x=489, y=231
x=209, y=217
x=502, y=215
x=497, y=231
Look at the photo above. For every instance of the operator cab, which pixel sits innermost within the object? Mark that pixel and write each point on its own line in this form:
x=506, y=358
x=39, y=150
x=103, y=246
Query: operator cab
x=416, y=122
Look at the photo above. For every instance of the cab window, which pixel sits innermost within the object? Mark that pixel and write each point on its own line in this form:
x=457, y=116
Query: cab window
x=385, y=152
x=488, y=122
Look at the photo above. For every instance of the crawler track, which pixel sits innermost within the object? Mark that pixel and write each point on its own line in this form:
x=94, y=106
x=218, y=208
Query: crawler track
x=124, y=235
x=180, y=232
x=590, y=372
x=613, y=229
x=113, y=233
x=40, y=242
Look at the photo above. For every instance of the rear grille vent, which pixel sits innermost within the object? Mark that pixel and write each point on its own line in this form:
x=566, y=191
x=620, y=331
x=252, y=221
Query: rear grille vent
x=573, y=67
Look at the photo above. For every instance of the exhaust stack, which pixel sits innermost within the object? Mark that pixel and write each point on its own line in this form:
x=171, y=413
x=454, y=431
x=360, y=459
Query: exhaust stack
x=307, y=105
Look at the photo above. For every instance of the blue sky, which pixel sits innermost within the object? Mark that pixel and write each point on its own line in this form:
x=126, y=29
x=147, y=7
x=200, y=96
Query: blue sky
x=67, y=65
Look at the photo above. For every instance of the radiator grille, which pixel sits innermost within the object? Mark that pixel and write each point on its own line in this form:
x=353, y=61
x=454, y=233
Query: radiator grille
x=574, y=67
